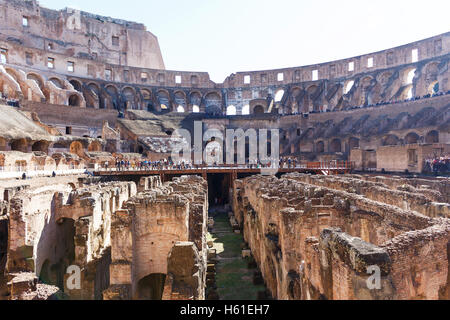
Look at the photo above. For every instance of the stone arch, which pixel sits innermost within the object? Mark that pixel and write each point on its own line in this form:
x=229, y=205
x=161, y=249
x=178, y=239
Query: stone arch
x=279, y=94
x=147, y=98
x=412, y=138
x=129, y=97
x=432, y=137
x=335, y=146
x=74, y=100
x=195, y=100
x=77, y=148
x=40, y=146
x=213, y=99
x=164, y=99
x=151, y=287
x=391, y=140
x=19, y=145
x=37, y=78
x=348, y=86
x=95, y=146
x=320, y=147
x=113, y=92
x=180, y=99
x=231, y=110
x=77, y=85
x=431, y=73
x=353, y=143
x=59, y=83
x=92, y=95
x=258, y=109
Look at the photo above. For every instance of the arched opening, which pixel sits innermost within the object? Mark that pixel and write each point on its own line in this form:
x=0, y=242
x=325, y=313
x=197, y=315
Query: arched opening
x=336, y=146
x=348, y=87
x=320, y=147
x=129, y=98
x=432, y=137
x=231, y=110
x=180, y=99
x=163, y=99
x=40, y=146
x=213, y=99
x=412, y=138
x=19, y=145
x=57, y=82
x=258, y=110
x=76, y=85
x=180, y=109
x=36, y=78
x=391, y=140
x=114, y=94
x=95, y=146
x=410, y=76
x=195, y=108
x=279, y=95
x=92, y=96
x=74, y=100
x=353, y=143
x=246, y=109
x=151, y=287
x=77, y=148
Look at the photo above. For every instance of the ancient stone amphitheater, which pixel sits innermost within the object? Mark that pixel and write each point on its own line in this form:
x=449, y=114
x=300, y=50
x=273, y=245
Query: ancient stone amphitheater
x=360, y=211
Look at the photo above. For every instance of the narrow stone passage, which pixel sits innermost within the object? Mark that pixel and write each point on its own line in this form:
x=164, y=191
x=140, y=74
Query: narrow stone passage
x=234, y=279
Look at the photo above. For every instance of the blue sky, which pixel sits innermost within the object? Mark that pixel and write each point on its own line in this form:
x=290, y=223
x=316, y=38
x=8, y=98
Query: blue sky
x=227, y=36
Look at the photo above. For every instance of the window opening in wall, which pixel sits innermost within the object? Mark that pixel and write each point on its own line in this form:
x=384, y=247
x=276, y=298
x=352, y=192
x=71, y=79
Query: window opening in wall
x=177, y=79
x=3, y=55
x=29, y=58
x=70, y=66
x=231, y=110
x=280, y=76
x=50, y=46
x=299, y=132
x=415, y=55
x=411, y=76
x=68, y=130
x=161, y=77
x=279, y=95
x=115, y=41
x=246, y=79
x=370, y=63
x=51, y=63
x=351, y=66
x=108, y=74
x=180, y=109
x=412, y=157
x=144, y=76
x=25, y=21
x=246, y=110
x=263, y=77
x=195, y=108
x=315, y=75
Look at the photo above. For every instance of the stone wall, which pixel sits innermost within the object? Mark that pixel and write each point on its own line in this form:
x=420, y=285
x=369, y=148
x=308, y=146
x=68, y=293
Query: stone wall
x=315, y=237
x=161, y=226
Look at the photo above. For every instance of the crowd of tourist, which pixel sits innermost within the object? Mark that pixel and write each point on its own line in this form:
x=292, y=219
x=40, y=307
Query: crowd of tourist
x=168, y=164
x=10, y=102
x=438, y=165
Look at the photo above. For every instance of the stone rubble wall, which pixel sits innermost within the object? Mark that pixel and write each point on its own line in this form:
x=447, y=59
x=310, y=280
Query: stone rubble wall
x=314, y=237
